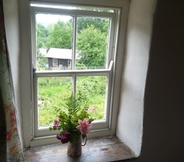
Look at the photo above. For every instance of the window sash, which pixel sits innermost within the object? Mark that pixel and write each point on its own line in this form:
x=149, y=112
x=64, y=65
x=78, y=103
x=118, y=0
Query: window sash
x=53, y=73
x=98, y=125
x=75, y=14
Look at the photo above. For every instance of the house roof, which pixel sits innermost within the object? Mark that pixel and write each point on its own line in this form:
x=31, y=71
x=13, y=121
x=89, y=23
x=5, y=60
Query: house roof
x=59, y=53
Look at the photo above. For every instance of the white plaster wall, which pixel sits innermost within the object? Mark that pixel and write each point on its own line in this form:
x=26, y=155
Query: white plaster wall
x=130, y=119
x=26, y=71
x=12, y=35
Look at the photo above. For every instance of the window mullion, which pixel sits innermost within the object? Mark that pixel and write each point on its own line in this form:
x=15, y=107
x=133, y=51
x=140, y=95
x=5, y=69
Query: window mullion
x=35, y=110
x=74, y=53
x=111, y=40
x=33, y=38
x=74, y=42
x=74, y=85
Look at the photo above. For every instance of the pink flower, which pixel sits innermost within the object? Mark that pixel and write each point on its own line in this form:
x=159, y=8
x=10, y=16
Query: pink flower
x=56, y=123
x=84, y=126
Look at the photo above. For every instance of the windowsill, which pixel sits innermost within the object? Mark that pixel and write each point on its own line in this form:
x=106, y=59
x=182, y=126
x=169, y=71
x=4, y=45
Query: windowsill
x=101, y=149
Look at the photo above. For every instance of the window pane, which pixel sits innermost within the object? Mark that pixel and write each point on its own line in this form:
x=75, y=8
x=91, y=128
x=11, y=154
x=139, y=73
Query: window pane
x=95, y=9
x=54, y=41
x=51, y=94
x=92, y=42
x=93, y=90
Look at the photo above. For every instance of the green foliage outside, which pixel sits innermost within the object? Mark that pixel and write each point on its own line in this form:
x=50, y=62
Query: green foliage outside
x=53, y=91
x=42, y=36
x=98, y=23
x=42, y=61
x=61, y=35
x=92, y=32
x=91, y=46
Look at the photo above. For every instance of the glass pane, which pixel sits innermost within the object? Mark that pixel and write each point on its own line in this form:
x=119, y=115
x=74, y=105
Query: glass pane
x=93, y=90
x=92, y=42
x=95, y=9
x=54, y=41
x=51, y=94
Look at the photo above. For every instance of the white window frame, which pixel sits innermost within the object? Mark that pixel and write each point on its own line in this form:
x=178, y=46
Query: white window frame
x=100, y=124
x=29, y=136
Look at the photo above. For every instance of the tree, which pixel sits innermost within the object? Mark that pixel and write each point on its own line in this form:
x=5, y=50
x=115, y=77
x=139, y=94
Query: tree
x=99, y=23
x=42, y=36
x=91, y=39
x=91, y=45
x=61, y=35
x=41, y=61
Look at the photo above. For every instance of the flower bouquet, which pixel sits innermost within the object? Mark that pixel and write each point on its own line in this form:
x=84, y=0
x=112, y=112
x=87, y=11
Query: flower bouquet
x=73, y=122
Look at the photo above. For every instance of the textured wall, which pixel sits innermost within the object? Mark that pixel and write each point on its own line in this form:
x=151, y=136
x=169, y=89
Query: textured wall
x=139, y=31
x=163, y=128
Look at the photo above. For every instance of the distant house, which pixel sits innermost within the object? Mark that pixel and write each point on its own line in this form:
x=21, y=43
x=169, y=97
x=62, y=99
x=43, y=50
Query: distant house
x=59, y=58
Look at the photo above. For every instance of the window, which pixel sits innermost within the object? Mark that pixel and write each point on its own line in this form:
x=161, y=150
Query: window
x=48, y=69
x=72, y=53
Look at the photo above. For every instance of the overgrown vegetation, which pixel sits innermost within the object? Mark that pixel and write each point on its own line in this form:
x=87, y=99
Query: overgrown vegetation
x=53, y=92
x=92, y=36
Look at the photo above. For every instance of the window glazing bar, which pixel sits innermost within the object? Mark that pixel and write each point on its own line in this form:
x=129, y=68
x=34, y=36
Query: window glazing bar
x=51, y=73
x=72, y=12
